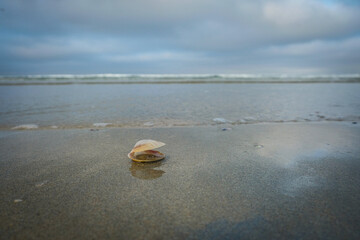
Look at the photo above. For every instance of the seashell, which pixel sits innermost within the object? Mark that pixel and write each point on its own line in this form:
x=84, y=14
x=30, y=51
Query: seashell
x=143, y=151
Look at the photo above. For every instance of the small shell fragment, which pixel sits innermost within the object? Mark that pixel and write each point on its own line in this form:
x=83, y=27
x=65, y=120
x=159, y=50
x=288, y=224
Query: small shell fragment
x=143, y=151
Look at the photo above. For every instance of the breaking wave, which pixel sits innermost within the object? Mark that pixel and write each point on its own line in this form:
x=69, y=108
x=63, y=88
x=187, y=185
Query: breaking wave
x=173, y=78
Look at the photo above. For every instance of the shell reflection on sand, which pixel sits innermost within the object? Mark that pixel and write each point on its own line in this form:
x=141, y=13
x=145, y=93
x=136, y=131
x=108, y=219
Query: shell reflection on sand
x=146, y=170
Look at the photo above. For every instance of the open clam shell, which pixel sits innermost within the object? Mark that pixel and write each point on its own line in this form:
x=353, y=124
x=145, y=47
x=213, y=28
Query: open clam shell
x=143, y=151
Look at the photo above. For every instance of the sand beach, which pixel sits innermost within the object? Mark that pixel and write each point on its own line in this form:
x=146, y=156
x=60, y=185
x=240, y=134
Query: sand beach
x=254, y=181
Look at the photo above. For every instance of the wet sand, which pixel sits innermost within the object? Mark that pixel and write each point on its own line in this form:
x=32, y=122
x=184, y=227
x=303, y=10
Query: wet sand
x=253, y=181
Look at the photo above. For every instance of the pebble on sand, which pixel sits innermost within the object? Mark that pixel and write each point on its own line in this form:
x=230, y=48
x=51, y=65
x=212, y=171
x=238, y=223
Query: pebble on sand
x=40, y=184
x=101, y=124
x=259, y=146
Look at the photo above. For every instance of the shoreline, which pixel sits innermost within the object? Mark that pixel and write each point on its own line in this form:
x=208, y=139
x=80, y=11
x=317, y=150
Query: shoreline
x=145, y=125
x=175, y=105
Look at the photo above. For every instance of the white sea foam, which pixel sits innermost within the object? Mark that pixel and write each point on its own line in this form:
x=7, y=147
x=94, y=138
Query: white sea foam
x=109, y=75
x=101, y=124
x=220, y=120
x=149, y=124
x=26, y=127
x=174, y=78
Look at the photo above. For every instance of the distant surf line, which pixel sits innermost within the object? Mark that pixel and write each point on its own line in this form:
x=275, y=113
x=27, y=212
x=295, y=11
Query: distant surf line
x=14, y=83
x=67, y=79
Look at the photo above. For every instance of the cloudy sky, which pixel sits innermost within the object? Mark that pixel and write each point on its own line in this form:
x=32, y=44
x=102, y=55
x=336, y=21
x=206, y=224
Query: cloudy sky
x=179, y=36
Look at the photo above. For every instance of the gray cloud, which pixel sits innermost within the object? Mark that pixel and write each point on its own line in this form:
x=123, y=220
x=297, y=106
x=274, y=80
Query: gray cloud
x=340, y=48
x=185, y=36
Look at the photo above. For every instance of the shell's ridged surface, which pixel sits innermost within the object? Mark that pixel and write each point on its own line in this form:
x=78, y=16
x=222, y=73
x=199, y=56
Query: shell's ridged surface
x=146, y=144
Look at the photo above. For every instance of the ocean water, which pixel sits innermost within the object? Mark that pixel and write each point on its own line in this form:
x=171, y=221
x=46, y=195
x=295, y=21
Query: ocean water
x=97, y=101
